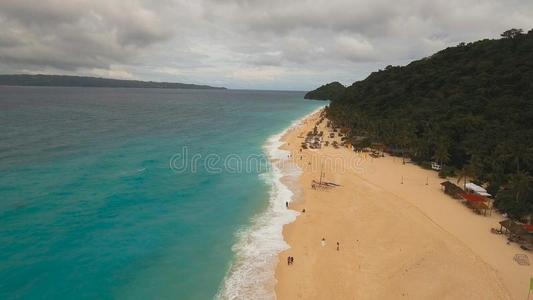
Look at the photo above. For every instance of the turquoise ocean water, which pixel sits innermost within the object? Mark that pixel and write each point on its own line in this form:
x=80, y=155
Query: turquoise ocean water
x=91, y=207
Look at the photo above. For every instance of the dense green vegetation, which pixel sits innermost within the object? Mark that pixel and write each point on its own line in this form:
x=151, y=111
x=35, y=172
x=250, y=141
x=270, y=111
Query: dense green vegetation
x=469, y=107
x=328, y=91
x=78, y=81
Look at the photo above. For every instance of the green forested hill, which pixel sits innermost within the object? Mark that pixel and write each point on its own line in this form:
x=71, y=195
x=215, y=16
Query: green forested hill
x=328, y=91
x=469, y=107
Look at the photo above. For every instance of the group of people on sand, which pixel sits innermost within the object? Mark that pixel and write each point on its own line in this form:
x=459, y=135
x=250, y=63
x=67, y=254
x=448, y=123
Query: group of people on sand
x=290, y=260
x=323, y=243
x=287, y=206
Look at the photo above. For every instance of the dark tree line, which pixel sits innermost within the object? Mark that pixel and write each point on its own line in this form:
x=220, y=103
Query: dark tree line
x=82, y=81
x=326, y=92
x=468, y=107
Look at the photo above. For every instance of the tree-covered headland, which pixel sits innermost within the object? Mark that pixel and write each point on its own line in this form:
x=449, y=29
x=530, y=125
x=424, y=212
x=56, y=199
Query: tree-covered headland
x=468, y=107
x=328, y=91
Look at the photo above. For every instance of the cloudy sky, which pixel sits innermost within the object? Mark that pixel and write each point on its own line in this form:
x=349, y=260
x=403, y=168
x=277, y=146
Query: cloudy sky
x=263, y=44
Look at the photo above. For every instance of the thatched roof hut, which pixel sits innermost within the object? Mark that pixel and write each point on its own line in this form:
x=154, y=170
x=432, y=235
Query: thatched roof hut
x=518, y=233
x=476, y=202
x=452, y=189
x=470, y=197
x=513, y=228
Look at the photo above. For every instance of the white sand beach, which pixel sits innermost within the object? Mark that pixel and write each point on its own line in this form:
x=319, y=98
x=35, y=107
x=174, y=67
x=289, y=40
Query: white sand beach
x=400, y=236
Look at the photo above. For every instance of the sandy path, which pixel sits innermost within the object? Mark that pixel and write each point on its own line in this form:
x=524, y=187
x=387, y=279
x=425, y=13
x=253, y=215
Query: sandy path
x=396, y=240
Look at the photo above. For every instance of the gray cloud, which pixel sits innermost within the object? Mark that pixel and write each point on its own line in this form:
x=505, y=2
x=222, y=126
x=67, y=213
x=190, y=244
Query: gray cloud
x=242, y=43
x=69, y=35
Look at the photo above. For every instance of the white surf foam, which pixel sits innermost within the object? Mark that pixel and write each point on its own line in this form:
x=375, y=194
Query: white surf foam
x=251, y=276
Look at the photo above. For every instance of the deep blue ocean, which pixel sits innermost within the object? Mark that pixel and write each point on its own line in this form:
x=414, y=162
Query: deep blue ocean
x=91, y=206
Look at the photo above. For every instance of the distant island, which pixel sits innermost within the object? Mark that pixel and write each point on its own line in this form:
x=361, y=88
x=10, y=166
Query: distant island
x=328, y=91
x=469, y=108
x=84, y=81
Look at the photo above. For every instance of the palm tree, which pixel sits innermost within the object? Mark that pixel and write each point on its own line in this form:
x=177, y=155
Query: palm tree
x=441, y=154
x=405, y=138
x=419, y=148
x=519, y=152
x=428, y=136
x=520, y=184
x=464, y=174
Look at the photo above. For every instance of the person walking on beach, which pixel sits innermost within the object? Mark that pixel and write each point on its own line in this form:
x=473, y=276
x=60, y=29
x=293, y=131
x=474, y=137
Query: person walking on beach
x=288, y=260
x=338, y=245
x=323, y=242
x=287, y=204
x=292, y=260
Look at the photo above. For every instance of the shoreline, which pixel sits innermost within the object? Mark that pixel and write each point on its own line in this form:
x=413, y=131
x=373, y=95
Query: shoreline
x=397, y=239
x=252, y=273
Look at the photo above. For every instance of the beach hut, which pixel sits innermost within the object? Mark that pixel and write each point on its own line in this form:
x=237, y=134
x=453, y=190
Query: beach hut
x=474, y=188
x=452, y=189
x=476, y=202
x=520, y=233
x=378, y=149
x=513, y=228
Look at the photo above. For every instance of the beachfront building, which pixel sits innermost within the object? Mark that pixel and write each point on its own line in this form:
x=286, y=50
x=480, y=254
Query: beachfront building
x=477, y=203
x=452, y=189
x=519, y=233
x=378, y=149
x=476, y=189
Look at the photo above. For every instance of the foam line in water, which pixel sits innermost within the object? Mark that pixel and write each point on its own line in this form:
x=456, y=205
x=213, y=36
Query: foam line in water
x=251, y=276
